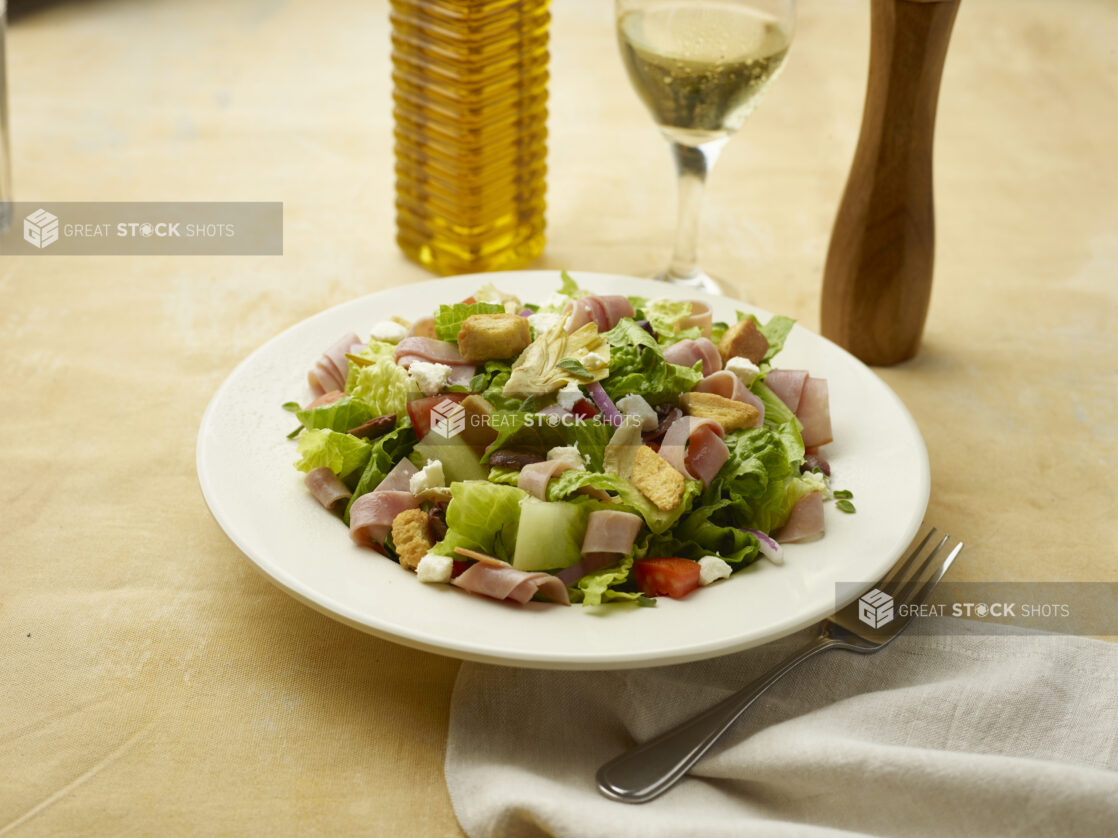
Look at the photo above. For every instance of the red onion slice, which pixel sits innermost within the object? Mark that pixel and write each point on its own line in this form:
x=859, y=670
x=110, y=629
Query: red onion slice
x=769, y=548
x=605, y=403
x=526, y=312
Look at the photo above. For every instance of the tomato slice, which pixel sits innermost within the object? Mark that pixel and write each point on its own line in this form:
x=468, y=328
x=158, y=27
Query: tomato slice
x=419, y=410
x=675, y=578
x=584, y=408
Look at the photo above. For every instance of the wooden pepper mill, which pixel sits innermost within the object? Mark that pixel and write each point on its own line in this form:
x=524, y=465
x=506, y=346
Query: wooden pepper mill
x=878, y=276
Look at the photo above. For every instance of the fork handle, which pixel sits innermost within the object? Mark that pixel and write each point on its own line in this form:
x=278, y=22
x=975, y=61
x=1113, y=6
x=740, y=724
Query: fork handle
x=650, y=769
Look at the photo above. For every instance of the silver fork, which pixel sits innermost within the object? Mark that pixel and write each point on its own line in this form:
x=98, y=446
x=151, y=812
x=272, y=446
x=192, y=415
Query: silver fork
x=864, y=626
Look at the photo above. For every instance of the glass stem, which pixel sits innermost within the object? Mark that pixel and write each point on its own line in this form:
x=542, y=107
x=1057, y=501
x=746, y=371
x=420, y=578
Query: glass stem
x=692, y=164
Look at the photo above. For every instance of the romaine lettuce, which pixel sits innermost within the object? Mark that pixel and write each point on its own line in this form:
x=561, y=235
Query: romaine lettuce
x=383, y=386
x=373, y=351
x=448, y=319
x=566, y=484
x=642, y=370
x=341, y=453
x=540, y=433
x=482, y=516
x=341, y=415
x=386, y=452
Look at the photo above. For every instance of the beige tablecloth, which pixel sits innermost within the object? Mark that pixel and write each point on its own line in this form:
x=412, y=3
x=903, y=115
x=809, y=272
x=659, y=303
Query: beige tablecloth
x=153, y=682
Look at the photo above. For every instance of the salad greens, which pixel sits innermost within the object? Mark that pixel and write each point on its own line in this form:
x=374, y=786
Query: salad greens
x=554, y=411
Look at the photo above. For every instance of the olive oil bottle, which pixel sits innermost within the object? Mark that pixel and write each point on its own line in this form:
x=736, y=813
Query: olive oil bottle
x=470, y=107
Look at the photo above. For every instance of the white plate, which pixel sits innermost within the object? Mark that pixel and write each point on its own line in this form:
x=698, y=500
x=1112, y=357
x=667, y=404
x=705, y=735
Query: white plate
x=245, y=469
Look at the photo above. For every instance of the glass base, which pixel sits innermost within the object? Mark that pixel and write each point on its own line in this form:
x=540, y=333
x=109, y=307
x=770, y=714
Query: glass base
x=702, y=281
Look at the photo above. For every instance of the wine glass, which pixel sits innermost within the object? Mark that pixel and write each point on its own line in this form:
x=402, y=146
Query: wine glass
x=701, y=67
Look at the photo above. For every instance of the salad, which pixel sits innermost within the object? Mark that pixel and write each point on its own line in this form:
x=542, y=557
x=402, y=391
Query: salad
x=588, y=448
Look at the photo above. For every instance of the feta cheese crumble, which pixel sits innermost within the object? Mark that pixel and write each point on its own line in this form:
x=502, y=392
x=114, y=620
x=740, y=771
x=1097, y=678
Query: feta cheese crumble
x=436, y=569
x=743, y=368
x=711, y=569
x=569, y=396
x=388, y=331
x=568, y=454
x=430, y=378
x=543, y=322
x=634, y=405
x=594, y=362
x=429, y=477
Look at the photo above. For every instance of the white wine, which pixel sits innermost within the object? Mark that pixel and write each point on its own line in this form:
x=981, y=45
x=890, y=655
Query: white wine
x=701, y=69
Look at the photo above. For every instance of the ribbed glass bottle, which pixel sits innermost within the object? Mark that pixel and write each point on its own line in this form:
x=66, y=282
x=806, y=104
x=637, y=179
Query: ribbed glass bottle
x=470, y=106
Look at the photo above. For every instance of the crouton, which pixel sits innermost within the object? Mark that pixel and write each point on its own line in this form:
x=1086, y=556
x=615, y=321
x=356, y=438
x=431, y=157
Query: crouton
x=656, y=479
x=411, y=536
x=731, y=415
x=743, y=340
x=488, y=337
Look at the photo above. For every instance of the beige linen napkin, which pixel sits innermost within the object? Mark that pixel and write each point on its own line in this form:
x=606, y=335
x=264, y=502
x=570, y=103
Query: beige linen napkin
x=982, y=732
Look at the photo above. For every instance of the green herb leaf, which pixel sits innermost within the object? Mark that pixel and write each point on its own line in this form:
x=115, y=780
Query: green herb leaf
x=575, y=368
x=291, y=407
x=842, y=493
x=295, y=432
x=845, y=506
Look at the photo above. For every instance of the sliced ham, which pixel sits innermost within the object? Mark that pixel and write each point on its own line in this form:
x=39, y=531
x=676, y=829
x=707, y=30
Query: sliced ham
x=329, y=372
x=325, y=398
x=788, y=385
x=686, y=352
x=371, y=515
x=427, y=349
x=700, y=316
x=726, y=384
x=399, y=479
x=815, y=413
x=603, y=310
x=608, y=531
x=326, y=488
x=534, y=477
x=506, y=582
x=804, y=521
x=694, y=447
x=412, y=349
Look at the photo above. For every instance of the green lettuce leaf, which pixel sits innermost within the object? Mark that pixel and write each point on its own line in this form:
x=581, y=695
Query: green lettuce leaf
x=374, y=351
x=569, y=287
x=710, y=529
x=642, y=370
x=383, y=386
x=504, y=476
x=565, y=485
x=448, y=319
x=341, y=415
x=663, y=314
x=385, y=453
x=628, y=333
x=482, y=516
x=776, y=411
x=341, y=453
x=539, y=433
x=760, y=481
x=776, y=332
x=597, y=587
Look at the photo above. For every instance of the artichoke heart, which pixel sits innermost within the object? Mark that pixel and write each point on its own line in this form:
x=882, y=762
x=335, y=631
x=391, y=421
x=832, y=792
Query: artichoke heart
x=537, y=371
